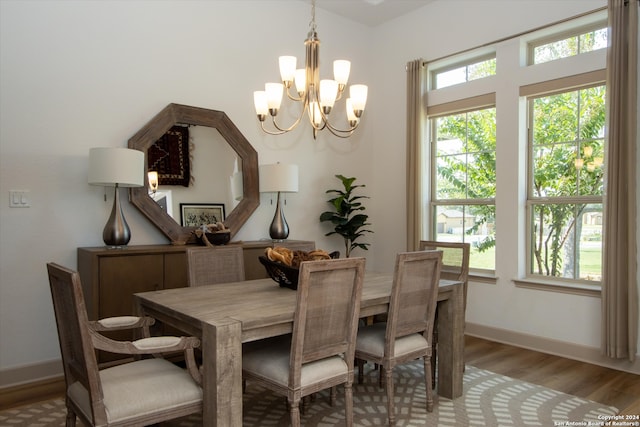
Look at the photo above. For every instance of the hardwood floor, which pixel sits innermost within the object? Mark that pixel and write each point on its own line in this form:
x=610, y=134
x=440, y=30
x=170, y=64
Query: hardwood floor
x=603, y=385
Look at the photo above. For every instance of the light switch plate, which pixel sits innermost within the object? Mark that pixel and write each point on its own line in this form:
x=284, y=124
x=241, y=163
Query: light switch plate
x=19, y=199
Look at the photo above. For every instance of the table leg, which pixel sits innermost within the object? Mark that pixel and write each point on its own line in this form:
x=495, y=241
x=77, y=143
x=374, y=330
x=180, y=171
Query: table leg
x=451, y=344
x=222, y=374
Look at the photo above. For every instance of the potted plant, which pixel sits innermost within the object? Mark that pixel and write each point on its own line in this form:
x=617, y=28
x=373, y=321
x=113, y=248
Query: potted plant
x=347, y=222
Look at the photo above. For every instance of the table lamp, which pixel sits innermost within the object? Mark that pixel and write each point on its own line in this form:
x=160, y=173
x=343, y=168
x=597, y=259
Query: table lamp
x=116, y=167
x=279, y=178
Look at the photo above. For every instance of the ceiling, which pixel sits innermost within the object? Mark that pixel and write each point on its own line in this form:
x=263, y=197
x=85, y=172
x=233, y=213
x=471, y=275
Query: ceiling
x=370, y=12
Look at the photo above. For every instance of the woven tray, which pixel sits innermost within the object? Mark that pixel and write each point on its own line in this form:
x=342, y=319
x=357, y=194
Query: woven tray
x=285, y=276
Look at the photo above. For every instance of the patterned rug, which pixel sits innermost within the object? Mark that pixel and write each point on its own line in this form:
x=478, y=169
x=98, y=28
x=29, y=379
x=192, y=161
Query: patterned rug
x=489, y=399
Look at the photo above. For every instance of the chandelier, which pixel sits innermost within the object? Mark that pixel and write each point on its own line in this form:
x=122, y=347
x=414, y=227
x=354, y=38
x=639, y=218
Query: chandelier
x=317, y=97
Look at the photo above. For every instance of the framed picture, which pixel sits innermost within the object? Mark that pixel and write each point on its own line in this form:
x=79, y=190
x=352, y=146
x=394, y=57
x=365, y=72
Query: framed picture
x=197, y=214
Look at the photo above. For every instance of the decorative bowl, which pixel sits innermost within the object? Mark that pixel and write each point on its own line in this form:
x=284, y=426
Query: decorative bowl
x=217, y=238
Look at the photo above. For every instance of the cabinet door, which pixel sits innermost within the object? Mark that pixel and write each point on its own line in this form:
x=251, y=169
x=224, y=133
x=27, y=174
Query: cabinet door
x=123, y=276
x=175, y=270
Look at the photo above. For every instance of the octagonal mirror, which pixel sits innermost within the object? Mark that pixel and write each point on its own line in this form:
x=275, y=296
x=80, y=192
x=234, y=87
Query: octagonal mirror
x=222, y=148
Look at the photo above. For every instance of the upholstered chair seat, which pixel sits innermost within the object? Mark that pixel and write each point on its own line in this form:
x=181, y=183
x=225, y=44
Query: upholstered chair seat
x=277, y=369
x=142, y=387
x=371, y=340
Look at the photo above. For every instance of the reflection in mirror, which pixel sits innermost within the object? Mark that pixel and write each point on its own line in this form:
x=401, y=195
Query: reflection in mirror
x=215, y=175
x=218, y=146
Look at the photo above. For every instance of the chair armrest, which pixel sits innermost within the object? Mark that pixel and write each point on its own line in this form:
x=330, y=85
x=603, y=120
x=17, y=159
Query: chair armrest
x=120, y=323
x=152, y=346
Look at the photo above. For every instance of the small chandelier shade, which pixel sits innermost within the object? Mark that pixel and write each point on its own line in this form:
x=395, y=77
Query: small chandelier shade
x=116, y=167
x=279, y=178
x=316, y=97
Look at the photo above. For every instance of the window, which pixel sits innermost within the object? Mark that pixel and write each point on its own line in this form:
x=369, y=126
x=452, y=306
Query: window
x=581, y=41
x=566, y=153
x=463, y=203
x=476, y=69
x=514, y=156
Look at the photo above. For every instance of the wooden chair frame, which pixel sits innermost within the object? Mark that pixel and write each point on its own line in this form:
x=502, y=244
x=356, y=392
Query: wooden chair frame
x=324, y=331
x=79, y=339
x=449, y=271
x=409, y=322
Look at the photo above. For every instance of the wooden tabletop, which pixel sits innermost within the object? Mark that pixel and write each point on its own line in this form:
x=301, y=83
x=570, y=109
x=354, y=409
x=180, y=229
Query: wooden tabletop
x=257, y=304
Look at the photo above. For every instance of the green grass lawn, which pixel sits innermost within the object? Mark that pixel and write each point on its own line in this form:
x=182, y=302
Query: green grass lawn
x=590, y=259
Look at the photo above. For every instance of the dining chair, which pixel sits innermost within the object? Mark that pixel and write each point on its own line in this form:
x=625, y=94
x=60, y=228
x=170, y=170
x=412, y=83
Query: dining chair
x=217, y=264
x=142, y=392
x=406, y=335
x=319, y=354
x=455, y=266
x=455, y=260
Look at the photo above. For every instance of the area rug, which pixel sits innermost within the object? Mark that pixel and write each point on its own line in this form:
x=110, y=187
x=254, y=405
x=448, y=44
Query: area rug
x=489, y=399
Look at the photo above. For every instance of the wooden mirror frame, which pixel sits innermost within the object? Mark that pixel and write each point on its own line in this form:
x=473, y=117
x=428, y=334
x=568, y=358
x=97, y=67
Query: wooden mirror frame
x=174, y=114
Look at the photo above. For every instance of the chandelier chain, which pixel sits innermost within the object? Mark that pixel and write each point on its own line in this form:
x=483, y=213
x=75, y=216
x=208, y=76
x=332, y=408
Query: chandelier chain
x=312, y=24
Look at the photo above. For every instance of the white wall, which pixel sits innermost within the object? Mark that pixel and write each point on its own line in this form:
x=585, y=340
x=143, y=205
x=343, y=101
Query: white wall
x=76, y=75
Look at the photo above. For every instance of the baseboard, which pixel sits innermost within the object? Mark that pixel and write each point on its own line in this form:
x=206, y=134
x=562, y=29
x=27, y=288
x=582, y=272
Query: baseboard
x=31, y=372
x=30, y=382
x=34, y=391
x=568, y=350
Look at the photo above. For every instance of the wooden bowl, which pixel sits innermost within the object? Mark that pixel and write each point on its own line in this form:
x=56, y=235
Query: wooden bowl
x=218, y=238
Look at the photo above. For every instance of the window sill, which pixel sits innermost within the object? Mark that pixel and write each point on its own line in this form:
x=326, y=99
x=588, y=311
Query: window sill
x=483, y=278
x=574, y=289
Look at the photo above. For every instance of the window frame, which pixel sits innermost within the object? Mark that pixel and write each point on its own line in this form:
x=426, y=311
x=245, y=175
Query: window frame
x=464, y=106
x=577, y=31
x=463, y=60
x=565, y=86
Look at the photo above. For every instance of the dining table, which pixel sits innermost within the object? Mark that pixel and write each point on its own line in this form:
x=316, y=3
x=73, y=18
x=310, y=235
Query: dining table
x=226, y=316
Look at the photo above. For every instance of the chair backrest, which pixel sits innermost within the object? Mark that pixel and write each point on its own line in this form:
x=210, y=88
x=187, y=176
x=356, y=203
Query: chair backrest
x=218, y=264
x=78, y=355
x=414, y=295
x=327, y=311
x=455, y=258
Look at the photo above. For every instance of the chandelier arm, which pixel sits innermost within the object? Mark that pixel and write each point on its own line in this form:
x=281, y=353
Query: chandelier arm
x=270, y=132
x=337, y=132
x=290, y=128
x=334, y=130
x=294, y=98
